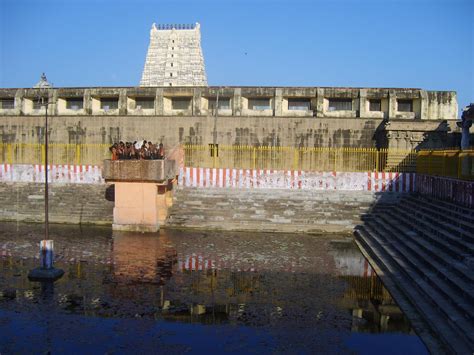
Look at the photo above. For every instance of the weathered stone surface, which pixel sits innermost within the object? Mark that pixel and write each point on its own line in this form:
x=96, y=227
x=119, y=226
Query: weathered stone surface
x=280, y=211
x=316, y=126
x=68, y=203
x=423, y=250
x=139, y=170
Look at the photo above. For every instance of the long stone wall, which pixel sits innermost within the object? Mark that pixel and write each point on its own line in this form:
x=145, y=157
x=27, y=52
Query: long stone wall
x=171, y=130
x=238, y=130
x=264, y=116
x=282, y=210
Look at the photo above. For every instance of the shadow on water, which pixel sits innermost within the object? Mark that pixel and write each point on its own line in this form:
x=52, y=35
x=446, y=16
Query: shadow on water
x=180, y=291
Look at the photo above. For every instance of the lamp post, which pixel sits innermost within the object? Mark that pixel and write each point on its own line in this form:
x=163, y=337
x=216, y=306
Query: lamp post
x=46, y=272
x=44, y=88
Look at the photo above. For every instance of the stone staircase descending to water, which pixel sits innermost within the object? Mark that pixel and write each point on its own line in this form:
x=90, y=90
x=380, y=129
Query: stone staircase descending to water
x=423, y=249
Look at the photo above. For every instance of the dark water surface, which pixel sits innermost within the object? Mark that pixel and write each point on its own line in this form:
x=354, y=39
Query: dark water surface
x=198, y=292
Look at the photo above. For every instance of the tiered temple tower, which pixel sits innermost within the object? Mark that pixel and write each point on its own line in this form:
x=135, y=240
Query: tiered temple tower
x=174, y=57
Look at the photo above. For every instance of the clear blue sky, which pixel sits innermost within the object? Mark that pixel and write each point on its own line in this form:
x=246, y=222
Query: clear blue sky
x=380, y=43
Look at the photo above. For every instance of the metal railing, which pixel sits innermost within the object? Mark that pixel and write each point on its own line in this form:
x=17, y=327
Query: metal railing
x=307, y=159
x=451, y=163
x=58, y=153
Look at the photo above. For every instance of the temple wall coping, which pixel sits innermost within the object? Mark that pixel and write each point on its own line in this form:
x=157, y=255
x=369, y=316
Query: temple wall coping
x=317, y=101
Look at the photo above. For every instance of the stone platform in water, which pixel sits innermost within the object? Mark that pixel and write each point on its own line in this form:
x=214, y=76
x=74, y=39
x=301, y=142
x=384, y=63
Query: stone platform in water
x=143, y=192
x=42, y=274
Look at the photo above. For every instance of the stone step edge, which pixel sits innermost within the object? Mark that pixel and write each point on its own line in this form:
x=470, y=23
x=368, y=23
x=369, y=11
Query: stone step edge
x=409, y=299
x=436, y=302
x=405, y=251
x=421, y=326
x=425, y=211
x=440, y=253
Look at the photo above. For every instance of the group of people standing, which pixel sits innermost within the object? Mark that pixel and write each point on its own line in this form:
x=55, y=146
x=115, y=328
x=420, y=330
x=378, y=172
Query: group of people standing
x=137, y=150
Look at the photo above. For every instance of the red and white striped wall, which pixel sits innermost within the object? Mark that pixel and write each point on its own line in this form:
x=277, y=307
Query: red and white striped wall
x=75, y=174
x=458, y=191
x=348, y=265
x=293, y=179
x=197, y=262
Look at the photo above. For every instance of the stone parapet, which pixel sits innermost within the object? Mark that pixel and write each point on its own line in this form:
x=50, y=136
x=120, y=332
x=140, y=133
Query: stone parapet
x=157, y=171
x=401, y=103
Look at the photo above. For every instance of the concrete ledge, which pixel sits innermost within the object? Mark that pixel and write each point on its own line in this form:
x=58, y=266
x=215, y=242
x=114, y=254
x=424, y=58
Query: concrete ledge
x=158, y=171
x=143, y=228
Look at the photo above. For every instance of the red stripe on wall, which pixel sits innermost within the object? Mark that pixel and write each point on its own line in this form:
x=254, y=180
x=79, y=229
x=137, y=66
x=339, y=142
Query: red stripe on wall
x=191, y=176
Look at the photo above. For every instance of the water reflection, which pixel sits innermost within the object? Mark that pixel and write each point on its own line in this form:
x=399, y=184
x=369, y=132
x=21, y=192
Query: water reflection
x=320, y=290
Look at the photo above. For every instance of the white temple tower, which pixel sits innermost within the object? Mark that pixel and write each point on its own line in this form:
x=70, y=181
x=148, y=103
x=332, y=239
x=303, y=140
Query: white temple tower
x=174, y=57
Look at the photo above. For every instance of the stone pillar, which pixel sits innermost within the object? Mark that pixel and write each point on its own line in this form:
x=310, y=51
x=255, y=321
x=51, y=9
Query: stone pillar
x=53, y=107
x=87, y=102
x=196, y=102
x=320, y=103
x=19, y=101
x=423, y=105
x=138, y=207
x=392, y=104
x=122, y=103
x=278, y=102
x=237, y=102
x=159, y=104
x=363, y=103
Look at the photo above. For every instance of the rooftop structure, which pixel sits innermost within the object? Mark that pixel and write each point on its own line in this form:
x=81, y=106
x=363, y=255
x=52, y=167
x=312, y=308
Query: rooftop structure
x=174, y=57
x=309, y=102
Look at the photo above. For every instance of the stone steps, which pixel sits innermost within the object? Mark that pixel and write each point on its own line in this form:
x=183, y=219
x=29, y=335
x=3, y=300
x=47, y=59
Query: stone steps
x=454, y=245
x=439, y=254
x=433, y=290
x=447, y=208
x=440, y=328
x=429, y=254
x=447, y=281
x=454, y=224
x=437, y=234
